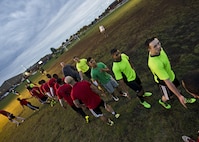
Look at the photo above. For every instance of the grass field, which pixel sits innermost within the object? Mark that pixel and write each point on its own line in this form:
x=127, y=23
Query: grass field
x=175, y=23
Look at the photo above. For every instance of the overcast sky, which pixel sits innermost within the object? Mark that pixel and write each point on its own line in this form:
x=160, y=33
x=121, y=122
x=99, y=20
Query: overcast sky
x=29, y=28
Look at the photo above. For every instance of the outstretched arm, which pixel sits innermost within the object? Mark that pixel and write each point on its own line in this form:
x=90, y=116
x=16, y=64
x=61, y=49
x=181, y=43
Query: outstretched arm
x=172, y=87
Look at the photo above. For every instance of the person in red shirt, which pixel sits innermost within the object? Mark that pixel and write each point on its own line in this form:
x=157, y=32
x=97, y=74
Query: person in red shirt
x=63, y=93
x=88, y=94
x=44, y=88
x=24, y=102
x=12, y=118
x=35, y=92
x=51, y=83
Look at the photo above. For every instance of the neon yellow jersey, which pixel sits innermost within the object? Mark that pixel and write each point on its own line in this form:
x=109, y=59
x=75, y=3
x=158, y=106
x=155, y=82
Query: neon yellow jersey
x=82, y=66
x=123, y=67
x=161, y=67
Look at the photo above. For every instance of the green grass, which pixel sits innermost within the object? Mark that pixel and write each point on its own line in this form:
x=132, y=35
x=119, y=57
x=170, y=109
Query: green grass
x=175, y=23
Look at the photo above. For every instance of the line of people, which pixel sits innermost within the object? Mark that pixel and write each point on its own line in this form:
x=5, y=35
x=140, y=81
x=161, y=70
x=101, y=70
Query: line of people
x=80, y=94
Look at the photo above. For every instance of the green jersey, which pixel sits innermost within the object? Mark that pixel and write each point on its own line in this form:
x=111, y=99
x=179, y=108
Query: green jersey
x=123, y=68
x=82, y=66
x=161, y=67
x=101, y=76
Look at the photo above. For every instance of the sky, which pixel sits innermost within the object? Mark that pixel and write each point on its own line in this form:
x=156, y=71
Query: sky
x=29, y=28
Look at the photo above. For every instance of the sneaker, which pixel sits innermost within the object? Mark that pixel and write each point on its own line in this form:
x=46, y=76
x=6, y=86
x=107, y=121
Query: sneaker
x=164, y=104
x=18, y=124
x=110, y=122
x=145, y=104
x=187, y=139
x=190, y=101
x=115, y=98
x=87, y=119
x=117, y=115
x=147, y=94
x=22, y=120
x=124, y=94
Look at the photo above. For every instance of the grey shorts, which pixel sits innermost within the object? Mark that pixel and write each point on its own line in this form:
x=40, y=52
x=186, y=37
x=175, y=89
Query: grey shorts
x=111, y=85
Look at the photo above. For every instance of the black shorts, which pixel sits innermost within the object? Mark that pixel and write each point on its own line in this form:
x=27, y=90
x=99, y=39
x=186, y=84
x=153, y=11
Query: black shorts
x=97, y=111
x=11, y=116
x=165, y=91
x=135, y=84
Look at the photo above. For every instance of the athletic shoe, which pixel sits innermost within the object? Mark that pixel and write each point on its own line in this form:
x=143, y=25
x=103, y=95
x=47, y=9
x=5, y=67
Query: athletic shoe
x=22, y=120
x=117, y=115
x=115, y=98
x=145, y=104
x=147, y=94
x=124, y=94
x=110, y=122
x=87, y=119
x=164, y=104
x=18, y=124
x=187, y=139
x=190, y=101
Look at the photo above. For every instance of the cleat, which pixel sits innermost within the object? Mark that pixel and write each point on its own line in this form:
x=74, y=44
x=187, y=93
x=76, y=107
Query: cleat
x=115, y=98
x=145, y=104
x=110, y=122
x=117, y=115
x=87, y=119
x=147, y=94
x=190, y=101
x=164, y=104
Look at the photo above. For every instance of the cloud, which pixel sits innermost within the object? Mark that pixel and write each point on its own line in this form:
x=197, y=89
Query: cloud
x=31, y=27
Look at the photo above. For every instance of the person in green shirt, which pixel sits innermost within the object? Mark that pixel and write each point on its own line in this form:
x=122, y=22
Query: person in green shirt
x=125, y=74
x=164, y=76
x=99, y=72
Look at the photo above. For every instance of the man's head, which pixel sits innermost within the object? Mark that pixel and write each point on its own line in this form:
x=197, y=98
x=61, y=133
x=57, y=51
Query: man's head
x=48, y=76
x=153, y=45
x=91, y=62
x=116, y=54
x=55, y=76
x=190, y=82
x=69, y=80
x=76, y=59
x=18, y=99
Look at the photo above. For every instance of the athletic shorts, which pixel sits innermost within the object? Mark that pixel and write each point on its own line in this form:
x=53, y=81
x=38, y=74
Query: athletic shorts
x=111, y=85
x=97, y=111
x=135, y=84
x=165, y=91
x=11, y=116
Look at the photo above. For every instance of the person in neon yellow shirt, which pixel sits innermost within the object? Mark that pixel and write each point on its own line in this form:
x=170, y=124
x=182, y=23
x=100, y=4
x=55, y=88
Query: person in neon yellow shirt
x=125, y=74
x=82, y=67
x=164, y=76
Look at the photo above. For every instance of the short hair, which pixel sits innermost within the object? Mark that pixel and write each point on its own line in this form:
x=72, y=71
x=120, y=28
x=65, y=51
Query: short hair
x=148, y=41
x=55, y=76
x=191, y=81
x=59, y=81
x=48, y=75
x=113, y=51
x=18, y=99
x=74, y=57
x=68, y=79
x=88, y=59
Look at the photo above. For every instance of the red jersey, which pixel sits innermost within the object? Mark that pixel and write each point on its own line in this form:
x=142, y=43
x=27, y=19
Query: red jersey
x=51, y=82
x=82, y=91
x=64, y=92
x=35, y=92
x=45, y=88
x=23, y=102
x=5, y=113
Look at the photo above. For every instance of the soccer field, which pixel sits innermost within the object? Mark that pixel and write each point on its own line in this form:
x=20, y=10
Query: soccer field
x=175, y=23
